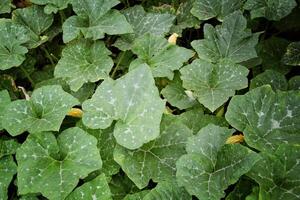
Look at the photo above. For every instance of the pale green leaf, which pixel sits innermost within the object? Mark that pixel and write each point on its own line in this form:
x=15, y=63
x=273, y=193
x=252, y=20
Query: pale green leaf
x=45, y=111
x=142, y=23
x=273, y=78
x=292, y=54
x=270, y=9
x=278, y=174
x=5, y=6
x=95, y=19
x=294, y=83
x=136, y=196
x=7, y=170
x=8, y=146
x=231, y=40
x=12, y=44
x=133, y=101
x=213, y=84
x=35, y=21
x=92, y=190
x=52, y=6
x=53, y=166
x=206, y=9
x=266, y=118
x=162, y=57
x=155, y=160
x=83, y=61
x=4, y=101
x=176, y=94
x=211, y=166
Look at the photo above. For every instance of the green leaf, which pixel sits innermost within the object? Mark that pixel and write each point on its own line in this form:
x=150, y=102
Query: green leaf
x=206, y=9
x=5, y=6
x=231, y=40
x=142, y=23
x=53, y=166
x=8, y=146
x=96, y=189
x=242, y=189
x=270, y=9
x=4, y=101
x=137, y=196
x=155, y=160
x=12, y=44
x=294, y=83
x=133, y=101
x=213, y=84
x=162, y=57
x=176, y=95
x=52, y=6
x=266, y=118
x=94, y=19
x=211, y=166
x=45, y=111
x=292, y=55
x=273, y=78
x=83, y=61
x=7, y=170
x=167, y=190
x=35, y=21
x=278, y=174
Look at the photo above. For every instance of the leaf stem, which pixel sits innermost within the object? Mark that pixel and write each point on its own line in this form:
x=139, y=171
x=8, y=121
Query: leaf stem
x=27, y=76
x=62, y=16
x=48, y=55
x=118, y=64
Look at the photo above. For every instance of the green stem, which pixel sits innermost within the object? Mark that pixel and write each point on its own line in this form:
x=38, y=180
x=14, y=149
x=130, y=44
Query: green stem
x=28, y=76
x=62, y=16
x=48, y=55
x=118, y=64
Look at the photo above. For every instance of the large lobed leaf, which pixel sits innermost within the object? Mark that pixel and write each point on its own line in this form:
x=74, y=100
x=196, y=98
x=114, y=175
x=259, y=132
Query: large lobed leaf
x=7, y=170
x=52, y=6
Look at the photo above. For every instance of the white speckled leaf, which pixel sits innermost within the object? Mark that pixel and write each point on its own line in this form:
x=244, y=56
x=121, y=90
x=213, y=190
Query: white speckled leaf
x=211, y=166
x=12, y=44
x=278, y=174
x=270, y=9
x=155, y=160
x=84, y=61
x=7, y=170
x=142, y=23
x=53, y=166
x=4, y=101
x=292, y=54
x=52, y=6
x=133, y=101
x=162, y=57
x=5, y=6
x=45, y=111
x=206, y=9
x=8, y=146
x=270, y=77
x=35, y=21
x=213, y=84
x=94, y=19
x=92, y=190
x=231, y=40
x=266, y=118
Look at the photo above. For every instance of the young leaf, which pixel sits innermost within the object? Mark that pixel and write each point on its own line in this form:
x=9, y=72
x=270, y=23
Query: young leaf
x=8, y=147
x=133, y=101
x=4, y=101
x=96, y=189
x=155, y=160
x=162, y=57
x=12, y=44
x=35, y=21
x=270, y=9
x=52, y=6
x=45, y=111
x=7, y=170
x=278, y=174
x=292, y=55
x=211, y=166
x=273, y=78
x=5, y=6
x=231, y=40
x=142, y=23
x=206, y=9
x=136, y=196
x=213, y=84
x=94, y=19
x=84, y=61
x=294, y=83
x=266, y=118
x=53, y=166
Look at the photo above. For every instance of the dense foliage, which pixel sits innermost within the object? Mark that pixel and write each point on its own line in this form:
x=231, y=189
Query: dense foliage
x=149, y=99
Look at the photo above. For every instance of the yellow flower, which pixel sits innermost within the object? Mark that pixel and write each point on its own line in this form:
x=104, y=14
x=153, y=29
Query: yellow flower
x=235, y=139
x=75, y=112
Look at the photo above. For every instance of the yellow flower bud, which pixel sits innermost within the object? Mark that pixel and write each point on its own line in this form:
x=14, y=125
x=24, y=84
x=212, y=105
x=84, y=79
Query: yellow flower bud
x=173, y=38
x=75, y=112
x=235, y=139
